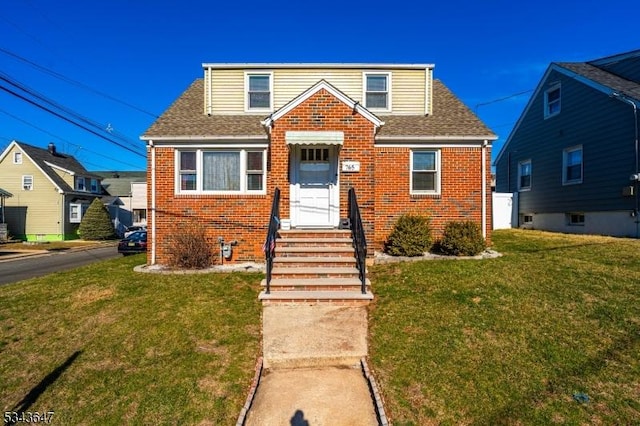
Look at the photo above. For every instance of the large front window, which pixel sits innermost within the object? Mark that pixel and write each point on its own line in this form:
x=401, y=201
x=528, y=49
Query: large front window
x=425, y=167
x=221, y=171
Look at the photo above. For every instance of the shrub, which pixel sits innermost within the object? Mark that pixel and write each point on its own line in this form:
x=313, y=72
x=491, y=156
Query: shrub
x=189, y=248
x=410, y=236
x=96, y=223
x=462, y=238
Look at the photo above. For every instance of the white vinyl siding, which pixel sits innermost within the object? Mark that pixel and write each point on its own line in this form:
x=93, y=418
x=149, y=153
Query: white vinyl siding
x=425, y=172
x=225, y=91
x=221, y=171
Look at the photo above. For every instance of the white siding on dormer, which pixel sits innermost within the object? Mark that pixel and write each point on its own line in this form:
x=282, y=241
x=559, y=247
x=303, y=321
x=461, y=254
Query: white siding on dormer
x=225, y=88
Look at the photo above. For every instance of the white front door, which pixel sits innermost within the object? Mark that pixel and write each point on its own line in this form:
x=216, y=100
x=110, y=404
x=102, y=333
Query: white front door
x=314, y=186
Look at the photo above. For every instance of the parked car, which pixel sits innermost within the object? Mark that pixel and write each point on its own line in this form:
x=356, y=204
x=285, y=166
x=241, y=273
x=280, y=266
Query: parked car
x=131, y=229
x=136, y=242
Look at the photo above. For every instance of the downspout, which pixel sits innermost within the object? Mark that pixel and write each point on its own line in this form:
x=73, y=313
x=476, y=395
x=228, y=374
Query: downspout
x=153, y=202
x=484, y=188
x=636, y=179
x=209, y=83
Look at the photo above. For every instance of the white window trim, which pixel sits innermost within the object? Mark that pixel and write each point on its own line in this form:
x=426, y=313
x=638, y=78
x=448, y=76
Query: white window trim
x=438, y=172
x=24, y=185
x=364, y=91
x=520, y=164
x=547, y=114
x=73, y=206
x=199, y=167
x=565, y=153
x=248, y=74
x=84, y=183
x=17, y=157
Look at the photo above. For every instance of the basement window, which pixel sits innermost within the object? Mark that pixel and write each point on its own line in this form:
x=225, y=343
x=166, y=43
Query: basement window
x=575, y=219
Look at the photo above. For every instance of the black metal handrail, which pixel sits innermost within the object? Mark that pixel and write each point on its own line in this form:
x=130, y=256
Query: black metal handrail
x=269, y=246
x=359, y=239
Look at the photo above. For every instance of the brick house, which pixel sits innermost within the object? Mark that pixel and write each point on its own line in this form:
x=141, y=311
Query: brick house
x=400, y=138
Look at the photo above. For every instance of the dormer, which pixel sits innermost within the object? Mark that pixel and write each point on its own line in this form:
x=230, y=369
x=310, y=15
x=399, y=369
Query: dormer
x=261, y=89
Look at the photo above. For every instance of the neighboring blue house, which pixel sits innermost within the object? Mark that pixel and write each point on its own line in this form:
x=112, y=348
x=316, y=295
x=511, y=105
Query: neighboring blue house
x=572, y=157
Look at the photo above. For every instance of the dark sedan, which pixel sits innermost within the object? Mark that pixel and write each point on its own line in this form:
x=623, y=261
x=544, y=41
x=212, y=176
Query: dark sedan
x=134, y=243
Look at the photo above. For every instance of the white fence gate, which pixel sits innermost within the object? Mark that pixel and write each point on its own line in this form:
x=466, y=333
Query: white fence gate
x=505, y=210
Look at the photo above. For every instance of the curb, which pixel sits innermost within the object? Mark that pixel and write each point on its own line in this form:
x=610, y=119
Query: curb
x=375, y=393
x=252, y=393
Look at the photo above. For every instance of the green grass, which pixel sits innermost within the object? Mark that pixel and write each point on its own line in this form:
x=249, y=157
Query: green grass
x=500, y=341
x=105, y=345
x=512, y=340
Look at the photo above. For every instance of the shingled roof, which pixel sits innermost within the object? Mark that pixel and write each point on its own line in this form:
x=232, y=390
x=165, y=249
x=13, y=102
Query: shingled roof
x=43, y=158
x=186, y=118
x=604, y=77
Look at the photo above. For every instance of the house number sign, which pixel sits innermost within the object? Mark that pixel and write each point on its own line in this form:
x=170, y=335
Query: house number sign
x=350, y=166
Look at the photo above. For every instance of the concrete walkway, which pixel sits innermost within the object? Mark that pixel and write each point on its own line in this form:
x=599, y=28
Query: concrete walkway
x=313, y=375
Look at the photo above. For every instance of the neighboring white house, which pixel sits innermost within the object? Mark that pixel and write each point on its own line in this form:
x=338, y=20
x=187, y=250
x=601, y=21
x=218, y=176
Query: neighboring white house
x=131, y=188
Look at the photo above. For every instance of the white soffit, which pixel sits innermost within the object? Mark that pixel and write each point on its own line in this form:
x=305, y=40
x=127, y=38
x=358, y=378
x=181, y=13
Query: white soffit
x=314, y=138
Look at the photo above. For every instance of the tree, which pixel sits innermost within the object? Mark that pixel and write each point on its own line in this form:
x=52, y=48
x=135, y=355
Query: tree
x=96, y=223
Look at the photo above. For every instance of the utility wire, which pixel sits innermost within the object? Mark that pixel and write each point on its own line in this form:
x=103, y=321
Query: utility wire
x=70, y=121
x=75, y=82
x=502, y=99
x=66, y=110
x=64, y=140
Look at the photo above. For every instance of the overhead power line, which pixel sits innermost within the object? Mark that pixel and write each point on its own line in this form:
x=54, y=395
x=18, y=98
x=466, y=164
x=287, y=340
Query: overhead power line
x=67, y=119
x=99, y=127
x=64, y=140
x=502, y=99
x=75, y=82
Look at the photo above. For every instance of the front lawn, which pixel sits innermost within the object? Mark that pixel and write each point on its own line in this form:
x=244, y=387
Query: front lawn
x=548, y=333
x=105, y=345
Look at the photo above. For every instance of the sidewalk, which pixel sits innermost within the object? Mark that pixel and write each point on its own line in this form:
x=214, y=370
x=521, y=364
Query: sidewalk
x=313, y=373
x=8, y=252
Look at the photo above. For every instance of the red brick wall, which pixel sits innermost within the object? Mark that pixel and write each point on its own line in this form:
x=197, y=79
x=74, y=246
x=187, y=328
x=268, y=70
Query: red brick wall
x=382, y=185
x=234, y=217
x=323, y=112
x=460, y=196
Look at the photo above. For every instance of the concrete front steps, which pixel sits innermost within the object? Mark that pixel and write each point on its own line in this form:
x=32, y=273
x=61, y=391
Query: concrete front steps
x=316, y=266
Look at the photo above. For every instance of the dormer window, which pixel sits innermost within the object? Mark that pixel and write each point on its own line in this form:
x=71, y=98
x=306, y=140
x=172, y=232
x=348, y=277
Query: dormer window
x=259, y=92
x=94, y=185
x=377, y=92
x=552, y=101
x=80, y=185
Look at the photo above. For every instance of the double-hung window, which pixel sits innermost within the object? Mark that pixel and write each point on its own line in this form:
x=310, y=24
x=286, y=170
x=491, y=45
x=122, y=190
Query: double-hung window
x=94, y=185
x=27, y=182
x=259, y=91
x=552, y=101
x=80, y=184
x=425, y=172
x=377, y=93
x=572, y=165
x=524, y=175
x=211, y=171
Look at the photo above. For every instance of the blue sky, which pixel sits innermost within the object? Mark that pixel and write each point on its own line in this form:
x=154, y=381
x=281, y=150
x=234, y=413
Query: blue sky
x=115, y=65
